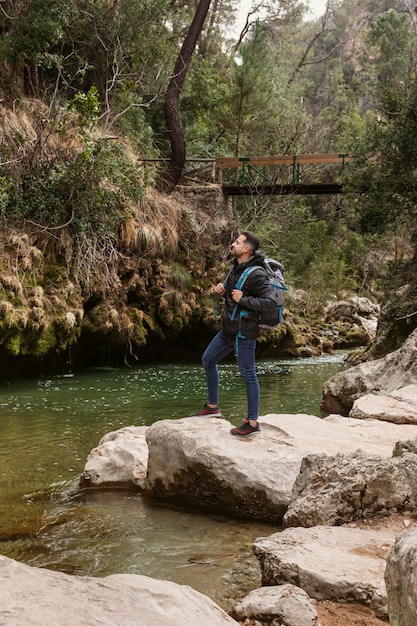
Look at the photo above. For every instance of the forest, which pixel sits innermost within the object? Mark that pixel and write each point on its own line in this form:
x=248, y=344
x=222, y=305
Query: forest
x=94, y=244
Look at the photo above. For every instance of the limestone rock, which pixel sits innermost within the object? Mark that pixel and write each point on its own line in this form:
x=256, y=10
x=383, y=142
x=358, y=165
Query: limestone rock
x=399, y=407
x=286, y=605
x=395, y=322
x=406, y=394
x=338, y=489
x=401, y=447
x=355, y=310
x=343, y=564
x=196, y=460
x=347, y=310
x=120, y=459
x=401, y=579
x=382, y=376
x=34, y=596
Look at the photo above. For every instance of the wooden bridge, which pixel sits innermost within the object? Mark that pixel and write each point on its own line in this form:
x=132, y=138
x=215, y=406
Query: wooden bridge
x=268, y=175
x=281, y=175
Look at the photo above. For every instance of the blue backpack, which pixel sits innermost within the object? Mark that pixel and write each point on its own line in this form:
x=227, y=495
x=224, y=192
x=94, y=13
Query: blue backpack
x=275, y=272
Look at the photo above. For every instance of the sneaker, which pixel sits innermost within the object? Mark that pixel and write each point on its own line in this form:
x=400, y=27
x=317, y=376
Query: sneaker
x=246, y=429
x=207, y=411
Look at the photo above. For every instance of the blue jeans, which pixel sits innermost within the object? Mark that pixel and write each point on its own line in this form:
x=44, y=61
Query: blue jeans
x=220, y=346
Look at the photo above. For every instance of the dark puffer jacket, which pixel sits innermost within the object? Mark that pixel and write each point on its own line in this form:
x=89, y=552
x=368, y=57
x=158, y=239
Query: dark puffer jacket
x=258, y=296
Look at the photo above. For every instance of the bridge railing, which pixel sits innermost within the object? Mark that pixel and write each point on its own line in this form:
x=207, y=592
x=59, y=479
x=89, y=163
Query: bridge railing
x=267, y=168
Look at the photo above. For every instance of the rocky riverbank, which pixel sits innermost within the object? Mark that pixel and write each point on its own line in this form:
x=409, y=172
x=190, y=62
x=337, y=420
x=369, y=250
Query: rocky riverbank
x=344, y=488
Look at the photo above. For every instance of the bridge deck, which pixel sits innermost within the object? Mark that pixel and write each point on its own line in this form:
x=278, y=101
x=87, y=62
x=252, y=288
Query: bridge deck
x=282, y=190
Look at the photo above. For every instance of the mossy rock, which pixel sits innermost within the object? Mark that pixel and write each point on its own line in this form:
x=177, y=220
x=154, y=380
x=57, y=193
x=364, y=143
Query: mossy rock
x=45, y=342
x=13, y=344
x=355, y=336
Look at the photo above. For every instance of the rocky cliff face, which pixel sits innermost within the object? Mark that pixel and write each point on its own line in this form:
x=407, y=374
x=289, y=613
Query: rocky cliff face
x=148, y=296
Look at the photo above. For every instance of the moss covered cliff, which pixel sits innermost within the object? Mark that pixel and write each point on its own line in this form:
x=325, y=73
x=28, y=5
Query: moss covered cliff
x=98, y=268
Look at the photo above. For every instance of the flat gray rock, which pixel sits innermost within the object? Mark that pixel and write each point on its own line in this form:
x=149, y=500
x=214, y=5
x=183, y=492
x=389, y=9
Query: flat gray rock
x=339, y=563
x=286, y=605
x=399, y=407
x=30, y=596
x=196, y=461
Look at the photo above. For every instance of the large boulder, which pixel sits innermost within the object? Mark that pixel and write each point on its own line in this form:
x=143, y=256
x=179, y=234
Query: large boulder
x=339, y=563
x=120, y=459
x=334, y=490
x=29, y=595
x=401, y=579
x=351, y=309
x=197, y=462
x=381, y=376
x=399, y=407
x=356, y=311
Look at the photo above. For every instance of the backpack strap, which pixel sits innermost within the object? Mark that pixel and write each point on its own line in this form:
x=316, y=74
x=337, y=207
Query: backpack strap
x=239, y=286
x=216, y=306
x=243, y=312
x=239, y=334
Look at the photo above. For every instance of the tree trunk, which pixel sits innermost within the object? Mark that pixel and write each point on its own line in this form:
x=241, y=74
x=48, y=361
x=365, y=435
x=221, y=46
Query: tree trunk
x=169, y=177
x=31, y=80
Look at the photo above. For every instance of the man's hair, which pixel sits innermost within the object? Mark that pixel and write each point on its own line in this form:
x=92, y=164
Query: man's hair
x=251, y=240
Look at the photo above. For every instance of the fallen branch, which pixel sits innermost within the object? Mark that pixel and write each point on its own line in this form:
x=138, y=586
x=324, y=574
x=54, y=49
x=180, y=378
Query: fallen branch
x=405, y=317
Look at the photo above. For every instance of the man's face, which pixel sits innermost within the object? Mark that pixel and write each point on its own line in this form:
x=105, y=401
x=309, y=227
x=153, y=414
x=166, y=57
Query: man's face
x=238, y=247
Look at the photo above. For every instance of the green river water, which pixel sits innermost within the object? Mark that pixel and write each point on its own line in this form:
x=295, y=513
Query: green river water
x=48, y=427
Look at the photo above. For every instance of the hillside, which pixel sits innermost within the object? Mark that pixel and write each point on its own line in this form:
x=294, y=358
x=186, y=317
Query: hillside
x=96, y=266
x=72, y=297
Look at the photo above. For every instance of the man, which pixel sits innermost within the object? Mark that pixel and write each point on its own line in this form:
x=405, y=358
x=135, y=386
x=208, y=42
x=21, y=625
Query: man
x=241, y=311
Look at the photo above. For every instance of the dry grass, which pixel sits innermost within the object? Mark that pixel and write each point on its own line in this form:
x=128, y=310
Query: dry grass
x=29, y=136
x=154, y=229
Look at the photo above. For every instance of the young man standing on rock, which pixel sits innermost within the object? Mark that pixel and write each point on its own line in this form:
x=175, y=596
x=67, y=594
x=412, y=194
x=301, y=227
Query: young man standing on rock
x=241, y=312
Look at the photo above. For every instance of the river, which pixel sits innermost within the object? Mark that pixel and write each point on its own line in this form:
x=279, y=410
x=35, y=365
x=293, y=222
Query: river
x=48, y=427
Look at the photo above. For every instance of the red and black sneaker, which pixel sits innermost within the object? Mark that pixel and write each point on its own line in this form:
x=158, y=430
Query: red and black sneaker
x=207, y=411
x=246, y=430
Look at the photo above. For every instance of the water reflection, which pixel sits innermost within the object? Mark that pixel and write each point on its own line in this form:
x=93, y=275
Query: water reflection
x=50, y=425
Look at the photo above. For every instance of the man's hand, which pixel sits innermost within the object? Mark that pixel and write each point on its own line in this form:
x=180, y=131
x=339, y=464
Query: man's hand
x=236, y=295
x=220, y=289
